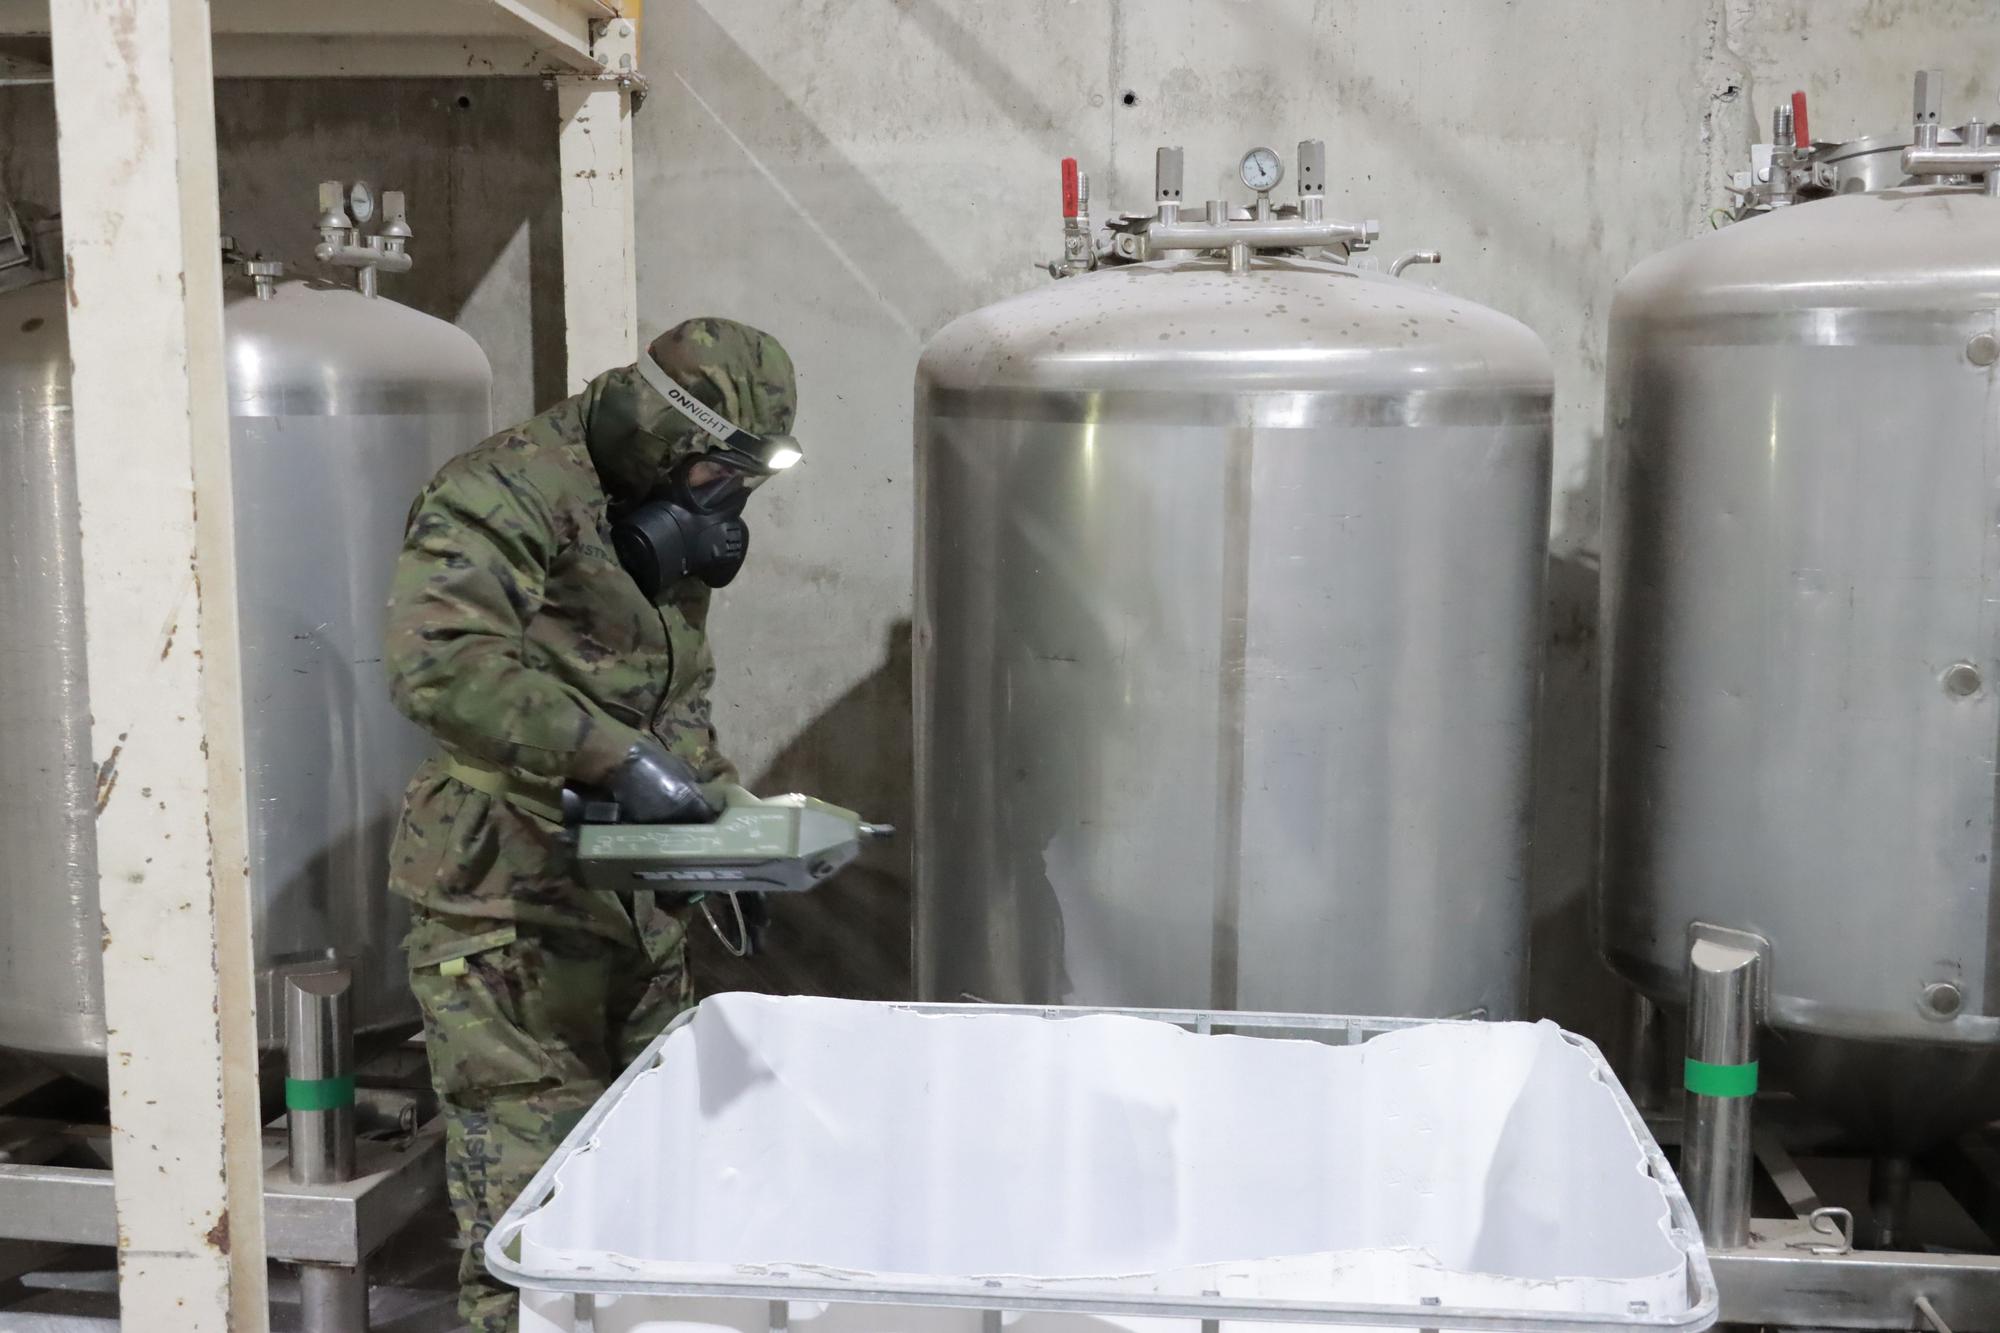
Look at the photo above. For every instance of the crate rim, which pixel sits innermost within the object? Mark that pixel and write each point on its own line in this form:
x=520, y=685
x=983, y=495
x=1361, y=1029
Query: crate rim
x=996, y=1294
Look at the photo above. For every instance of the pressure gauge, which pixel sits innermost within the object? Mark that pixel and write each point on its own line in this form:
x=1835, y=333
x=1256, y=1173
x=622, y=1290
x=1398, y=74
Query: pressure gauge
x=1262, y=169
x=361, y=201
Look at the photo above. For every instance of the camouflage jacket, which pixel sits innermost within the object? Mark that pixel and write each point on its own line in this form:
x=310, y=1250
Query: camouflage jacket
x=517, y=640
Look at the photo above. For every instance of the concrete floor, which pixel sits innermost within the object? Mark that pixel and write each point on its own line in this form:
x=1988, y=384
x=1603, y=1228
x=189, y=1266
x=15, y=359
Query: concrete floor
x=70, y=1289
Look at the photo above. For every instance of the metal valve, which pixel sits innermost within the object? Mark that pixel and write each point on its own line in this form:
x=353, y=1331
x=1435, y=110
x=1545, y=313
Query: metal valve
x=1167, y=183
x=395, y=217
x=1975, y=157
x=1787, y=169
x=341, y=242
x=1312, y=179
x=1137, y=237
x=1263, y=230
x=333, y=210
x=1928, y=108
x=264, y=273
x=1079, y=252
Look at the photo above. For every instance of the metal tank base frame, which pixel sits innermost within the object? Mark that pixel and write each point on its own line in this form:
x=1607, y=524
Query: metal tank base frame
x=1802, y=1269
x=332, y=1197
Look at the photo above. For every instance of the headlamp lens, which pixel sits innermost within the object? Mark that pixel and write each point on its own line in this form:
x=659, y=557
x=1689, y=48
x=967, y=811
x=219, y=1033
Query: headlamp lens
x=781, y=452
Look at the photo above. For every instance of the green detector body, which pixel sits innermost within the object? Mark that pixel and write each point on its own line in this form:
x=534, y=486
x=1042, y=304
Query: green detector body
x=776, y=844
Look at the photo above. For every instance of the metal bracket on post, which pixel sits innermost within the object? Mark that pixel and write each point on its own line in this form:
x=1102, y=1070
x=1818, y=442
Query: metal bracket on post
x=1975, y=157
x=1167, y=173
x=1312, y=179
x=1725, y=1003
x=1927, y=111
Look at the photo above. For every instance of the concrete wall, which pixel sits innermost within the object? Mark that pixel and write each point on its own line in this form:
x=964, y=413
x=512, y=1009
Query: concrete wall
x=853, y=173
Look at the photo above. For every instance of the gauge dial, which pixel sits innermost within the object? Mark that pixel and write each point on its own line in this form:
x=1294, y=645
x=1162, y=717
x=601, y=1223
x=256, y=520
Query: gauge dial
x=361, y=201
x=1262, y=169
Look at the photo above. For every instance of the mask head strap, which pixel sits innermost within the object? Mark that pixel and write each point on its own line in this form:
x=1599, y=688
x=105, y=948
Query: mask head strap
x=701, y=414
x=756, y=454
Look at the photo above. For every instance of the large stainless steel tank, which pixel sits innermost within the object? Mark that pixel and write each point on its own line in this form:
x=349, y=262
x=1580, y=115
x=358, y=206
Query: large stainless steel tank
x=342, y=406
x=1229, y=587
x=1802, y=620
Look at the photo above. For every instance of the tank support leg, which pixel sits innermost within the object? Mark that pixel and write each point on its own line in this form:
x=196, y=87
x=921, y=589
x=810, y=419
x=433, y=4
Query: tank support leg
x=1646, y=1054
x=332, y=1300
x=319, y=1102
x=1721, y=1079
x=1888, y=1202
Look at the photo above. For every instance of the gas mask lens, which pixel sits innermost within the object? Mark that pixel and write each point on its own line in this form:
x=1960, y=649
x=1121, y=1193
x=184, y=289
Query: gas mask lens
x=694, y=528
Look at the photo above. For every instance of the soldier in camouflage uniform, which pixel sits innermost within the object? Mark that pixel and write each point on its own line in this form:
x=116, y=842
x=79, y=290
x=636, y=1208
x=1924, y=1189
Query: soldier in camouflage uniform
x=518, y=641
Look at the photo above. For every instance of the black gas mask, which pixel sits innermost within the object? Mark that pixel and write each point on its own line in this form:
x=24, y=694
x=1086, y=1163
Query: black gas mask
x=688, y=529
x=693, y=526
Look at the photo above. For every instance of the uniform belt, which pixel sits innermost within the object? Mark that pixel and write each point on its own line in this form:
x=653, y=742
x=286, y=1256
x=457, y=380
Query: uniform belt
x=543, y=799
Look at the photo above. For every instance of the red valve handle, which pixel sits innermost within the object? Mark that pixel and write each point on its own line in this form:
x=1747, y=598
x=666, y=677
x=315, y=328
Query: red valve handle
x=1800, y=138
x=1069, y=187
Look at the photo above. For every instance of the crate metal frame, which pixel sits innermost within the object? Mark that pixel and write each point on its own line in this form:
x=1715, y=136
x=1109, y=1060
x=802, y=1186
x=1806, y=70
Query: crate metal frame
x=994, y=1295
x=1804, y=1271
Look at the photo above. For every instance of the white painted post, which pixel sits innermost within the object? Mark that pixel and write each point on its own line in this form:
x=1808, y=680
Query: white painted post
x=600, y=275
x=135, y=111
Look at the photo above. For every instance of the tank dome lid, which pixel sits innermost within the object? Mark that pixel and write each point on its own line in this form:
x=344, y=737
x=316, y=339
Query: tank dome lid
x=313, y=347
x=1928, y=248
x=1284, y=324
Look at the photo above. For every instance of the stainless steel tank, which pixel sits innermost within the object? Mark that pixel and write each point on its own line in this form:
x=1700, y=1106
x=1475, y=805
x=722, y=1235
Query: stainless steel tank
x=1802, y=632
x=342, y=406
x=1229, y=586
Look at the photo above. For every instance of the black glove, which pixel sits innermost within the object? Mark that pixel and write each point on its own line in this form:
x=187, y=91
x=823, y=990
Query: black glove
x=653, y=786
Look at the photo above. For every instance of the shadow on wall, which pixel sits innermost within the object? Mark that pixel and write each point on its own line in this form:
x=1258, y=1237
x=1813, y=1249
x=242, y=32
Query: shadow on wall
x=830, y=213
x=477, y=158
x=852, y=937
x=1567, y=981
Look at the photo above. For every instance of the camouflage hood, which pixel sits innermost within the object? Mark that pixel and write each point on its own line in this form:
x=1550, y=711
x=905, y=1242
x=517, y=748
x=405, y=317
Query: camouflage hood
x=634, y=435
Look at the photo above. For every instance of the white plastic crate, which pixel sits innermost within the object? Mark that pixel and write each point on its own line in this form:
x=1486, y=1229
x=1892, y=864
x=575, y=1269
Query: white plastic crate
x=833, y=1166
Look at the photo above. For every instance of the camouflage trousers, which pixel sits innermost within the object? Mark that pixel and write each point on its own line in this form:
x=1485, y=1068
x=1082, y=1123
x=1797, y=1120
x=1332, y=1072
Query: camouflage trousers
x=526, y=1025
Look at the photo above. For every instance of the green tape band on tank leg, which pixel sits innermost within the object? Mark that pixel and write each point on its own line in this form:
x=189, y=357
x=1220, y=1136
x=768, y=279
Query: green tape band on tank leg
x=1706, y=1080
x=319, y=1094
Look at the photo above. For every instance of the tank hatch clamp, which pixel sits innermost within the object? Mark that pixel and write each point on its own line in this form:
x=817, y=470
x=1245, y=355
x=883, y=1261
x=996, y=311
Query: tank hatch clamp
x=1974, y=157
